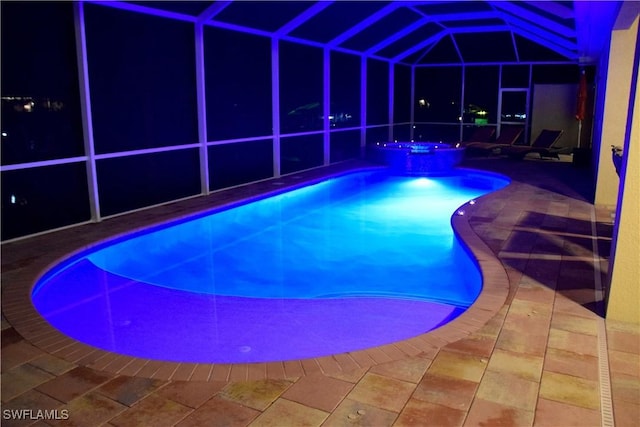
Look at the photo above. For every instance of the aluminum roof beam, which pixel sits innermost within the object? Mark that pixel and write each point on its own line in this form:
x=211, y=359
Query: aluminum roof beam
x=372, y=19
x=397, y=36
x=553, y=8
x=576, y=30
x=212, y=11
x=146, y=10
x=544, y=24
x=303, y=17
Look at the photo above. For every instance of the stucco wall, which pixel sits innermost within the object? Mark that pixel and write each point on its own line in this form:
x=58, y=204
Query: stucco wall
x=624, y=294
x=615, y=112
x=554, y=107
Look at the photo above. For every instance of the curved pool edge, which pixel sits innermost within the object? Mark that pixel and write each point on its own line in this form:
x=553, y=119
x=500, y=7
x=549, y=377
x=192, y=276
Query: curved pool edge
x=22, y=315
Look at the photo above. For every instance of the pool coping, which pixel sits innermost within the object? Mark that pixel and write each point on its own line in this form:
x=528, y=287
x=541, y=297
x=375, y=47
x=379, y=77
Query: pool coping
x=19, y=280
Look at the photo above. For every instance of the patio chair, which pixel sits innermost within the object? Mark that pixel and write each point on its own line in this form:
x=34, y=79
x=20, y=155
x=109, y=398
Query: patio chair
x=481, y=134
x=508, y=137
x=543, y=145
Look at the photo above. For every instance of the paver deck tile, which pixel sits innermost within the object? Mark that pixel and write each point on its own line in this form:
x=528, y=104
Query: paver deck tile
x=522, y=365
x=318, y=391
x=18, y=353
x=53, y=365
x=475, y=343
x=154, y=411
x=220, y=412
x=255, y=394
x=569, y=389
x=573, y=342
x=570, y=363
x=447, y=391
x=625, y=387
x=459, y=365
x=409, y=369
x=91, y=409
x=577, y=324
x=550, y=413
x=418, y=412
x=508, y=390
x=624, y=362
x=626, y=413
x=624, y=340
x=383, y=392
x=521, y=342
x=484, y=413
x=285, y=413
x=354, y=413
x=74, y=383
x=21, y=379
x=129, y=390
x=191, y=393
x=29, y=400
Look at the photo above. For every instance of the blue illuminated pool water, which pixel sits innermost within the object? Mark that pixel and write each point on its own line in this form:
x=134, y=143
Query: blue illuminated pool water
x=349, y=263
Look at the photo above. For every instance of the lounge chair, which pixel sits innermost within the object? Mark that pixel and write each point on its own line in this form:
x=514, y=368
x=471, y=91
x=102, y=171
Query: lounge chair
x=543, y=145
x=481, y=134
x=508, y=137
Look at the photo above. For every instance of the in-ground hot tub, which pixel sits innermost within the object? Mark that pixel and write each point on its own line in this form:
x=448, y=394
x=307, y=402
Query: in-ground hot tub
x=419, y=158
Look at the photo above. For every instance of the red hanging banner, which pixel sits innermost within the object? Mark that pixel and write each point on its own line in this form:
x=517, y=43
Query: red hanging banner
x=582, y=97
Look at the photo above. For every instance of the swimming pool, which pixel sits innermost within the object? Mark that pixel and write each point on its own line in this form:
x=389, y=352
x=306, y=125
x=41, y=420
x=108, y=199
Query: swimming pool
x=349, y=263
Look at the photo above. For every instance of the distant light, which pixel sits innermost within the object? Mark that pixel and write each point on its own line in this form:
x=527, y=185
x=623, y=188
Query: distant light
x=472, y=202
x=482, y=113
x=13, y=199
x=4, y=134
x=460, y=212
x=459, y=118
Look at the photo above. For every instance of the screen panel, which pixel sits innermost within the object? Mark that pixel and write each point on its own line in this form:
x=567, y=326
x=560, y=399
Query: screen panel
x=301, y=88
x=142, y=76
x=345, y=90
x=239, y=163
x=43, y=198
x=345, y=145
x=437, y=94
x=238, y=84
x=377, y=92
x=40, y=91
x=301, y=152
x=132, y=182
